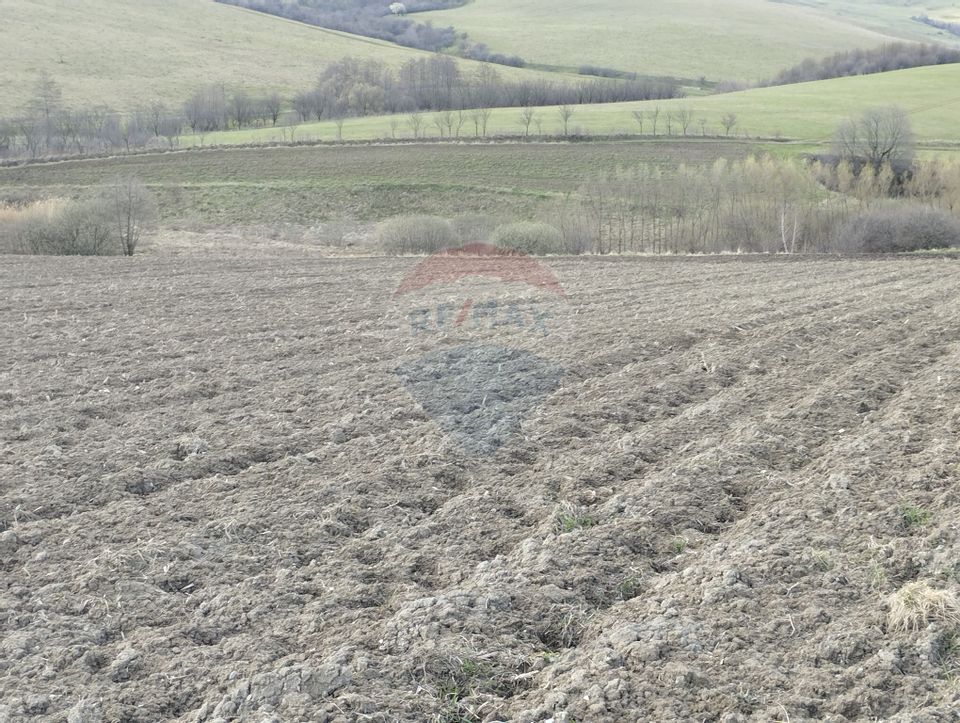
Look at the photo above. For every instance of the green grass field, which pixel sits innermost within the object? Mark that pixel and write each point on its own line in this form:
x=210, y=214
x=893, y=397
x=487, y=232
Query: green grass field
x=120, y=53
x=310, y=184
x=732, y=40
x=807, y=113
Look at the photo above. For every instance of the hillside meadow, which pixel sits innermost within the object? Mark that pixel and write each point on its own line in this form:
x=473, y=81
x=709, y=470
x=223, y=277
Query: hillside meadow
x=805, y=112
x=733, y=40
x=109, y=52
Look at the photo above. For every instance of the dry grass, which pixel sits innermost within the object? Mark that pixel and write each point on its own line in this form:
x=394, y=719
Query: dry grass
x=917, y=604
x=45, y=209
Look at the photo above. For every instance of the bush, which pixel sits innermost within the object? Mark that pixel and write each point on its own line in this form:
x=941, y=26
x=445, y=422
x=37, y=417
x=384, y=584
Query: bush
x=72, y=228
x=897, y=227
x=529, y=238
x=107, y=224
x=416, y=235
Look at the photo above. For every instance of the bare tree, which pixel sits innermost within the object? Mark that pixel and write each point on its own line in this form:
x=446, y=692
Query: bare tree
x=484, y=115
x=132, y=209
x=438, y=122
x=155, y=113
x=273, y=105
x=566, y=112
x=415, y=121
x=879, y=136
x=729, y=122
x=46, y=103
x=170, y=128
x=639, y=116
x=527, y=115
x=241, y=108
x=684, y=117
x=654, y=117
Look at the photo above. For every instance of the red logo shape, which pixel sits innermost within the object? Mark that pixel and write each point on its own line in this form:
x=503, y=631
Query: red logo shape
x=480, y=259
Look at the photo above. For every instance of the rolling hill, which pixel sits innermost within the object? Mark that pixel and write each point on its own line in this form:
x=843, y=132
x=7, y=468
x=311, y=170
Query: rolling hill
x=119, y=53
x=807, y=112
x=731, y=40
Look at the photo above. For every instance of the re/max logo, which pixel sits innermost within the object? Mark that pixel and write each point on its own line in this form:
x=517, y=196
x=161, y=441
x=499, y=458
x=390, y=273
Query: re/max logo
x=480, y=315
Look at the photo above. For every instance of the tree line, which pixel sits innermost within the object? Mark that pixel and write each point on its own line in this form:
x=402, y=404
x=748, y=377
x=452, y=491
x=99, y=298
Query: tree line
x=370, y=18
x=347, y=88
x=891, y=56
x=357, y=87
x=952, y=28
x=764, y=205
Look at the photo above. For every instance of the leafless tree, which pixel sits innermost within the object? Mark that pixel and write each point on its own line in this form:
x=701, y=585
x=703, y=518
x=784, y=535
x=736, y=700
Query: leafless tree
x=527, y=115
x=415, y=121
x=639, y=116
x=729, y=122
x=565, y=112
x=684, y=117
x=879, y=136
x=273, y=105
x=241, y=108
x=132, y=209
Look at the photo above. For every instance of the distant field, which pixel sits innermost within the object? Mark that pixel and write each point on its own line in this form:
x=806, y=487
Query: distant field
x=103, y=52
x=737, y=39
x=309, y=184
x=806, y=112
x=891, y=18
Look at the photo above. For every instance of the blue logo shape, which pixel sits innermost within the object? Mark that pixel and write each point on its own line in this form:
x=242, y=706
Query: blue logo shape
x=479, y=394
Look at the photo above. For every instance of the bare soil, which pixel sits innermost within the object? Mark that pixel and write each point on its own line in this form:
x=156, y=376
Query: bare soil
x=220, y=499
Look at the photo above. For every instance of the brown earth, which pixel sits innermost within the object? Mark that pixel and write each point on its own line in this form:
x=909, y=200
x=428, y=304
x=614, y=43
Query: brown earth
x=219, y=500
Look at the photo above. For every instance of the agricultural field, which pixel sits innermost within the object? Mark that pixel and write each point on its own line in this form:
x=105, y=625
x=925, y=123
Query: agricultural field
x=269, y=488
x=104, y=52
x=736, y=40
x=805, y=112
x=307, y=184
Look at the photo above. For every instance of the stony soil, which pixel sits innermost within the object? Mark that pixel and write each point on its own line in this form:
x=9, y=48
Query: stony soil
x=220, y=500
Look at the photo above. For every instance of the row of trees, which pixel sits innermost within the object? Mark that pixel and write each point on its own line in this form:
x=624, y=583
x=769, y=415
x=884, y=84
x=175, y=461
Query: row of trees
x=892, y=56
x=347, y=88
x=952, y=28
x=764, y=205
x=371, y=18
x=377, y=19
x=355, y=87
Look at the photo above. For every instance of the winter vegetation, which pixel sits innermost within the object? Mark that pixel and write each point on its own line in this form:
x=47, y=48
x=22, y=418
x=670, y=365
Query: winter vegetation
x=892, y=56
x=370, y=18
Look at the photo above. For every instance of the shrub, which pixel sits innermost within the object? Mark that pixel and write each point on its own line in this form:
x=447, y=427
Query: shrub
x=72, y=228
x=897, y=227
x=108, y=223
x=416, y=235
x=529, y=237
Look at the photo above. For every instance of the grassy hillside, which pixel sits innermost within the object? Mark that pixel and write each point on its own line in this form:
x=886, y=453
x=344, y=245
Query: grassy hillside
x=807, y=112
x=734, y=39
x=118, y=52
